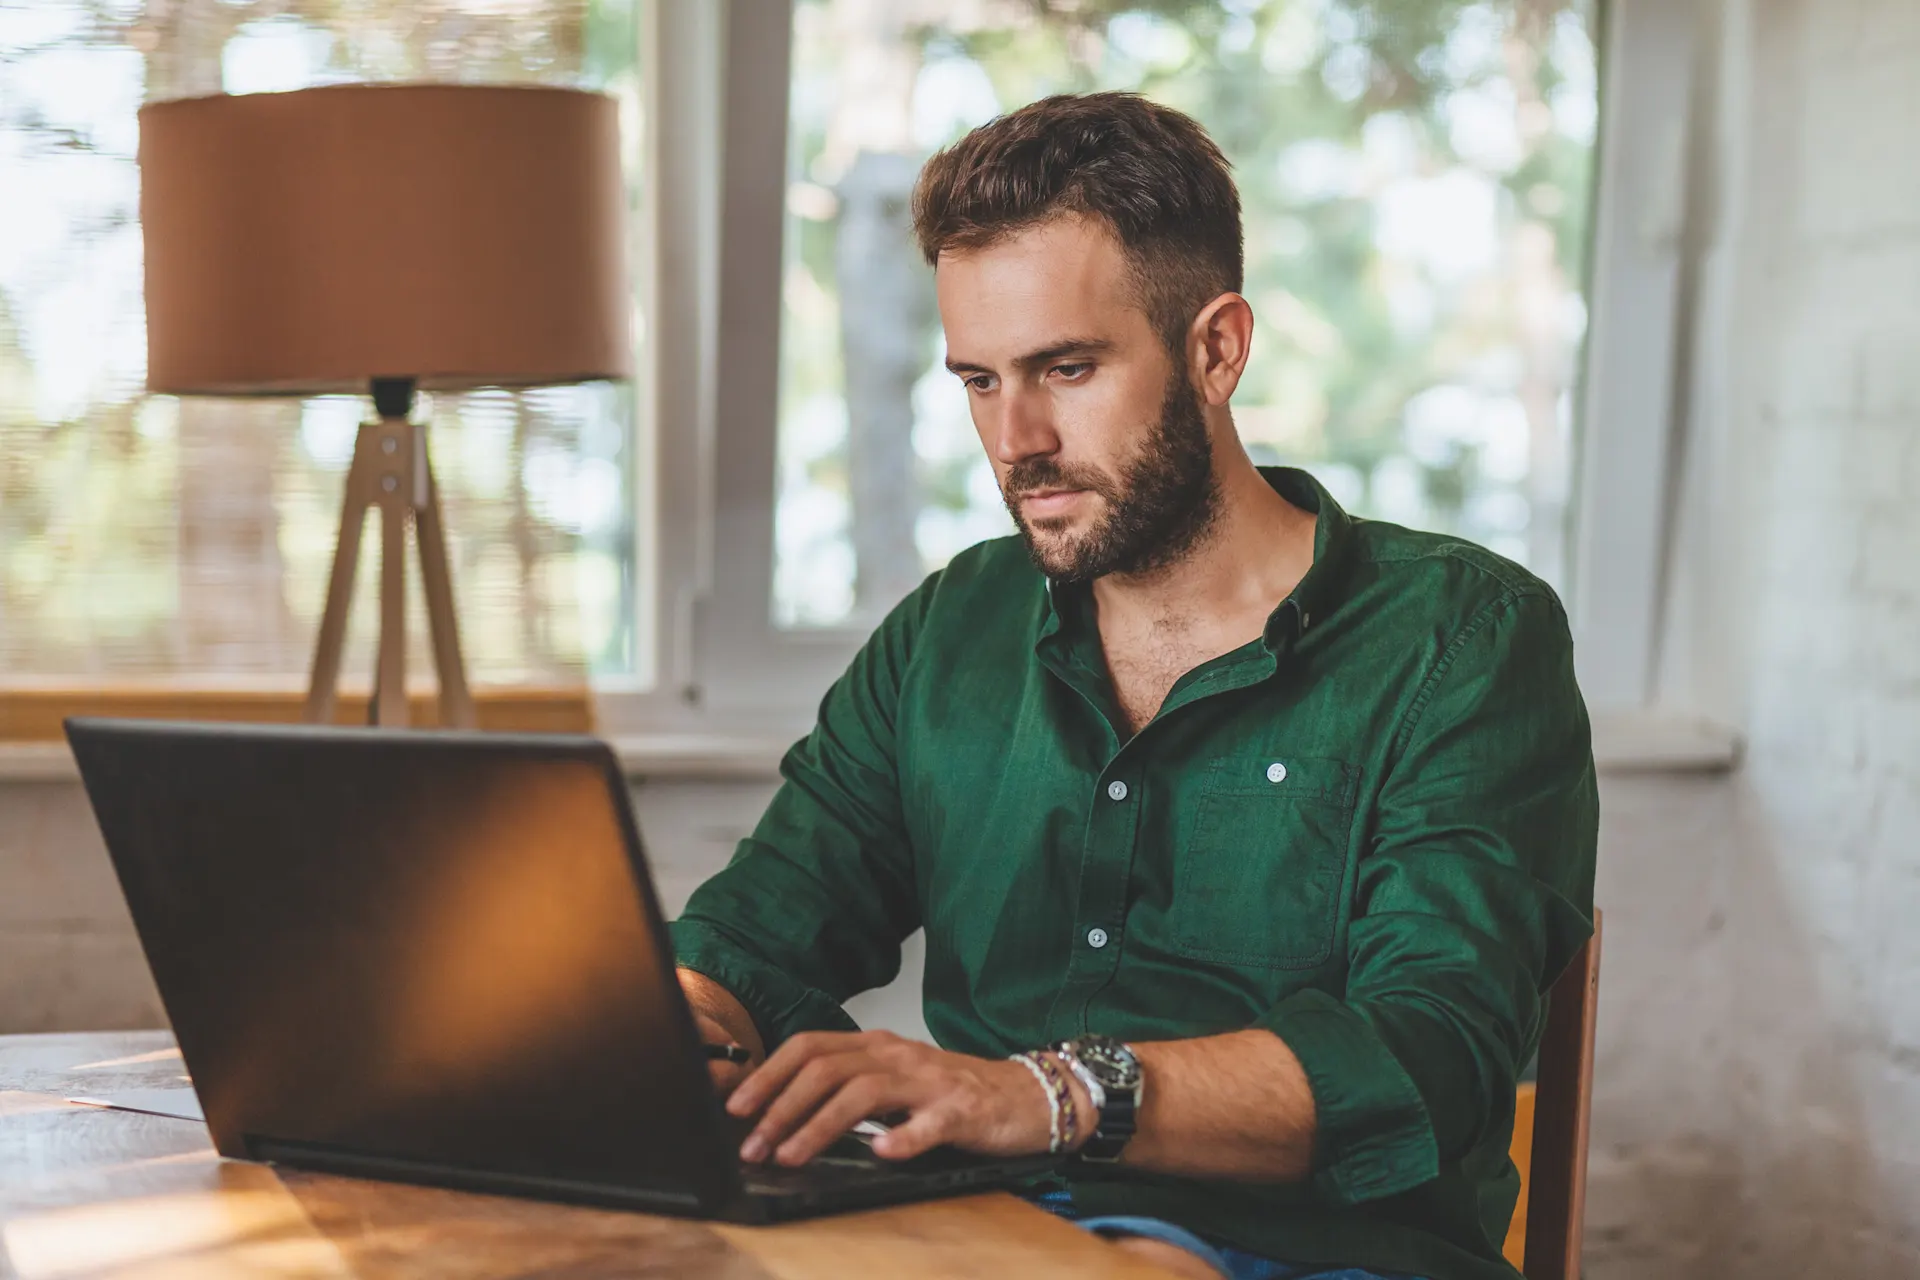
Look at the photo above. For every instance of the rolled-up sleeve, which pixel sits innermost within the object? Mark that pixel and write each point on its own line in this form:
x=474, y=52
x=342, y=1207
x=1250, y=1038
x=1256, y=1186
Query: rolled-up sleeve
x=1474, y=890
x=814, y=905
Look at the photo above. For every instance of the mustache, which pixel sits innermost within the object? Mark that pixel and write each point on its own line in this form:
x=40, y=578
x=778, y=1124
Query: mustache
x=1031, y=474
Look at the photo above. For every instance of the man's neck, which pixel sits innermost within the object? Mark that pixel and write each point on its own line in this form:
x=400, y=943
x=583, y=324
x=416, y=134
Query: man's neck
x=1250, y=558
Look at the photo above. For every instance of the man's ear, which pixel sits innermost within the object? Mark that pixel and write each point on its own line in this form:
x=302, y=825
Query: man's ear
x=1218, y=343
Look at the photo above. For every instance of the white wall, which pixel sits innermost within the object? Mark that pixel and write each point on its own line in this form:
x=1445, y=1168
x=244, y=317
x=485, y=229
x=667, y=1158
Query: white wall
x=68, y=957
x=1758, y=1084
x=1826, y=397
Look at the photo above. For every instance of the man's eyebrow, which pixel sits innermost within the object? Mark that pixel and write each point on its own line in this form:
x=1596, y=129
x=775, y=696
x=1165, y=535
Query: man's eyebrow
x=1044, y=356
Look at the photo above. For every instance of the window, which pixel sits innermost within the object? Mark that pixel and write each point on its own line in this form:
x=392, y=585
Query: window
x=1417, y=179
x=1416, y=184
x=152, y=537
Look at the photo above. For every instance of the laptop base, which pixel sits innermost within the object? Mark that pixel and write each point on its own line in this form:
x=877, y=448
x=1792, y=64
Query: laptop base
x=840, y=1182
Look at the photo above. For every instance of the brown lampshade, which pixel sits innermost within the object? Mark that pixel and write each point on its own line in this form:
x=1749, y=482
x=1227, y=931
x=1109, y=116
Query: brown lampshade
x=462, y=236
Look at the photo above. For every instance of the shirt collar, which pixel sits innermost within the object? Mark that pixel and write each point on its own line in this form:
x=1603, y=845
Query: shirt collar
x=1319, y=591
x=1314, y=597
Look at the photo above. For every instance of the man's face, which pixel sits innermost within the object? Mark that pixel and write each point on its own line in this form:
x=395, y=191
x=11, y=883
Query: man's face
x=1095, y=435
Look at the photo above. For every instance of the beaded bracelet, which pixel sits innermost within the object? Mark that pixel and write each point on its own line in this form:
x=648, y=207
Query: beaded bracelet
x=1063, y=1092
x=1032, y=1064
x=1060, y=1126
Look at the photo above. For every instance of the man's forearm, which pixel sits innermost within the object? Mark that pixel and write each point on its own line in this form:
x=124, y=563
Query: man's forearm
x=1228, y=1106
x=720, y=1006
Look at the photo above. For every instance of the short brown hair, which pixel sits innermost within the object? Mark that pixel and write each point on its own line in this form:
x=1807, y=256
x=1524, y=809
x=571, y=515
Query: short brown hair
x=1150, y=173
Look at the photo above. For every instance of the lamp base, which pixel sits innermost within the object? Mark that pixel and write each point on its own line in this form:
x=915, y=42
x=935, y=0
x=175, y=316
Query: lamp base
x=391, y=472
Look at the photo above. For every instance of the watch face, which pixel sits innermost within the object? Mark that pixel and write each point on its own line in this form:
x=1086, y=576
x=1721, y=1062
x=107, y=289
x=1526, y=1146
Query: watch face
x=1110, y=1061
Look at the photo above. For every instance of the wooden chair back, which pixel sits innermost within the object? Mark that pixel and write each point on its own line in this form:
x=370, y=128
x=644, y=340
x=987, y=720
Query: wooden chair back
x=1550, y=1127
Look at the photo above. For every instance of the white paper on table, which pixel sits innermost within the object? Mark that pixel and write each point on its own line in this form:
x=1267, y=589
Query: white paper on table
x=177, y=1104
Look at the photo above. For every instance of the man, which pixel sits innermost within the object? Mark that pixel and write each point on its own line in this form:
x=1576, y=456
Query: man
x=1284, y=819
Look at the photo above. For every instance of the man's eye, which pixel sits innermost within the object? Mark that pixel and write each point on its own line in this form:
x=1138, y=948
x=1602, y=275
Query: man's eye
x=1075, y=371
x=978, y=382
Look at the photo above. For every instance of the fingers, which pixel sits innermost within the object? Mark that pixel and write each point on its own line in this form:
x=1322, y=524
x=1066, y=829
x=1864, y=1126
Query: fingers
x=817, y=1086
x=801, y=1074
x=790, y=1059
x=858, y=1098
x=725, y=1077
x=787, y=1061
x=926, y=1129
x=808, y=1071
x=809, y=1089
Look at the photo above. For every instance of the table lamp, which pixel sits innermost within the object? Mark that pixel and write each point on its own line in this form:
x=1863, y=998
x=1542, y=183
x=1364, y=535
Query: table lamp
x=384, y=239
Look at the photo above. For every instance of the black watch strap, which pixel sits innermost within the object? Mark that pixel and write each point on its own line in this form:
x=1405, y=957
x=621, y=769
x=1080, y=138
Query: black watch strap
x=1115, y=1128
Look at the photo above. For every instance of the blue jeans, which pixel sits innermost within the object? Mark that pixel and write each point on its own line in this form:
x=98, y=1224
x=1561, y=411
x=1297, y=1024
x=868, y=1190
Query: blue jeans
x=1232, y=1264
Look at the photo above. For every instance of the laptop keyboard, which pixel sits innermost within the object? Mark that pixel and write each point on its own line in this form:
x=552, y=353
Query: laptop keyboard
x=847, y=1163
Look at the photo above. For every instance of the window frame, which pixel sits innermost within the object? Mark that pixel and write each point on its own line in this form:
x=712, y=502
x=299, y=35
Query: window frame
x=722, y=83
x=722, y=666
x=1635, y=361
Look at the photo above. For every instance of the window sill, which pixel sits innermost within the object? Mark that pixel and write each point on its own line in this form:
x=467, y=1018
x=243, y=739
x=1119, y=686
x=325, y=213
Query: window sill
x=1624, y=742
x=677, y=757
x=32, y=711
x=1650, y=740
x=688, y=756
x=33, y=744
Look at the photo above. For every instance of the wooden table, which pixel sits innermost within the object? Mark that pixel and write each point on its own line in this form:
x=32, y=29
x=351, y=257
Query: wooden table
x=92, y=1194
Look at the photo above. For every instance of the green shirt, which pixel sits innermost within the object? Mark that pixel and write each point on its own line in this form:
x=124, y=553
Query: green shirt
x=1371, y=831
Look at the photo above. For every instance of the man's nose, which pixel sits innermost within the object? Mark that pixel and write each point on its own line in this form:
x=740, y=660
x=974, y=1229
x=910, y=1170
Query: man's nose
x=1024, y=428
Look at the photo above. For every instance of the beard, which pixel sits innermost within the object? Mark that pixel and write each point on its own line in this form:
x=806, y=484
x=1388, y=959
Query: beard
x=1156, y=511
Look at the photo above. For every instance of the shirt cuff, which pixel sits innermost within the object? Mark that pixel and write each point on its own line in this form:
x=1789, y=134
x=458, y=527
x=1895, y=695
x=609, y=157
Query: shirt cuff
x=1372, y=1134
x=779, y=1004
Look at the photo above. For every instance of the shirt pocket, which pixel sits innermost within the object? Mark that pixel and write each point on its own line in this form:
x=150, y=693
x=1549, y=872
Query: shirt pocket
x=1258, y=875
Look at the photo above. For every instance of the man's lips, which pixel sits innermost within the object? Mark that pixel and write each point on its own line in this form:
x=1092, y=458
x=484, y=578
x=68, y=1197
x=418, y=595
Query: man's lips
x=1045, y=502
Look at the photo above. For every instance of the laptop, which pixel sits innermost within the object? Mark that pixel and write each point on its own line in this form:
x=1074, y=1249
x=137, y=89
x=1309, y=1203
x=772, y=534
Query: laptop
x=439, y=957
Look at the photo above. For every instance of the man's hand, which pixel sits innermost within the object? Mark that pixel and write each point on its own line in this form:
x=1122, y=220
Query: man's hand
x=721, y=1019
x=820, y=1084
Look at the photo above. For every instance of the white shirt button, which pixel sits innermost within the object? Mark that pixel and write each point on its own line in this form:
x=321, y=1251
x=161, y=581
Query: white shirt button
x=1097, y=938
x=1116, y=790
x=1276, y=772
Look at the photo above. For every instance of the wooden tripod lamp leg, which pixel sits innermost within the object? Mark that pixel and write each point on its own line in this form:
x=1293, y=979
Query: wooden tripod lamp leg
x=391, y=471
x=456, y=702
x=390, y=667
x=346, y=560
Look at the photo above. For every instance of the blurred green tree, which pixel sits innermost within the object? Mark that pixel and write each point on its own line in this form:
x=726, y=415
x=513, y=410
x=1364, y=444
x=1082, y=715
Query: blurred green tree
x=1352, y=124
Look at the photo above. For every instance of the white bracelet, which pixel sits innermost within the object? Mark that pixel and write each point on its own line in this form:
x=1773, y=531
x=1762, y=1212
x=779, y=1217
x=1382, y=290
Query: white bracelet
x=1053, y=1101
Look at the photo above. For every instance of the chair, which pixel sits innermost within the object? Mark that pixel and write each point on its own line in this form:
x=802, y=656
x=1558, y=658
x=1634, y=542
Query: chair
x=1550, y=1128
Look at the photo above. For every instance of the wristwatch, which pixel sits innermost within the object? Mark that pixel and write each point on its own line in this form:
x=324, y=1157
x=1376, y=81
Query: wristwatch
x=1111, y=1073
